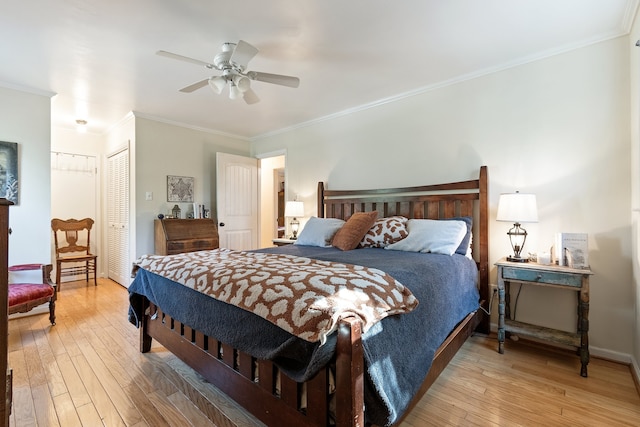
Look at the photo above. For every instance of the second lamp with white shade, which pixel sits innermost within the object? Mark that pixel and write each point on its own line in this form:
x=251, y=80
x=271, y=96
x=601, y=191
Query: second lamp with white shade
x=294, y=209
x=517, y=208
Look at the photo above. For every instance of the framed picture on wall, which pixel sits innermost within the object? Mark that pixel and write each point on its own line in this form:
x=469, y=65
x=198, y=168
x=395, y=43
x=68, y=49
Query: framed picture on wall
x=9, y=171
x=179, y=188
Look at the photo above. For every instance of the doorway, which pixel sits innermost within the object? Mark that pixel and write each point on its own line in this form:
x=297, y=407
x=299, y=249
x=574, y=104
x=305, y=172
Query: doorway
x=74, y=186
x=272, y=192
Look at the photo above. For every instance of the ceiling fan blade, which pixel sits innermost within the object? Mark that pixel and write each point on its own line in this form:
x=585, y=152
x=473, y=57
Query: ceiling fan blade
x=250, y=96
x=195, y=86
x=184, y=58
x=243, y=53
x=274, y=78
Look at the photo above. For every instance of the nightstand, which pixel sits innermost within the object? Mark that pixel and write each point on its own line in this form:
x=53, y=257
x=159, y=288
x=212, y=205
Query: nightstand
x=282, y=242
x=571, y=279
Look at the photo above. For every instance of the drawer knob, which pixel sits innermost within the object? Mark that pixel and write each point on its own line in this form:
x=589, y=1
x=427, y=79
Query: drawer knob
x=539, y=276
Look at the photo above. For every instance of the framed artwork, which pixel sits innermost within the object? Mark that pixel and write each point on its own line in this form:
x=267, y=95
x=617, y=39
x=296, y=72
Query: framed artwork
x=9, y=171
x=179, y=188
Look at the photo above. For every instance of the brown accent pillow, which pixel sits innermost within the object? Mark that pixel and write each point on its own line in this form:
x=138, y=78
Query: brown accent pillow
x=352, y=232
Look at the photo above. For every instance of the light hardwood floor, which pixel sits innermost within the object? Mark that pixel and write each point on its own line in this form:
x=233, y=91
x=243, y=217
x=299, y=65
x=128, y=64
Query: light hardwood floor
x=87, y=371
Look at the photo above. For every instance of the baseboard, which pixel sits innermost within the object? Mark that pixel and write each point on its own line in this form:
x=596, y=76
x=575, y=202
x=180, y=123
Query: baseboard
x=635, y=372
x=611, y=355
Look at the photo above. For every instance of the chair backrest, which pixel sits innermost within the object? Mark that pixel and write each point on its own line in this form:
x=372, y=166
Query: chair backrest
x=72, y=232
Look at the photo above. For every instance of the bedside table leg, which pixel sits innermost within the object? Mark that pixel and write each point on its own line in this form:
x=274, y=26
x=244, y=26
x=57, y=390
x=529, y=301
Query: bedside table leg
x=583, y=327
x=584, y=337
x=501, y=306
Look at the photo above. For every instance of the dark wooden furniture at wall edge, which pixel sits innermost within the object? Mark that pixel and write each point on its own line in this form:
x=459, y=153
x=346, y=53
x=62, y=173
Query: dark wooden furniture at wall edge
x=6, y=388
x=225, y=366
x=174, y=236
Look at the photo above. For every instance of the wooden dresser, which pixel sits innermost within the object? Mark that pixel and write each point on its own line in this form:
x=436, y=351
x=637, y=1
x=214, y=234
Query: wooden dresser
x=5, y=371
x=174, y=236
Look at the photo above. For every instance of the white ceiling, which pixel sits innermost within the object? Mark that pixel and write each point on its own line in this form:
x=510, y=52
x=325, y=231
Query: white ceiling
x=98, y=56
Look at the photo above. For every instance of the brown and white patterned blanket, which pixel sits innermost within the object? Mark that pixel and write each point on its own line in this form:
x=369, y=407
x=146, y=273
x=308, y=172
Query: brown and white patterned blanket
x=303, y=296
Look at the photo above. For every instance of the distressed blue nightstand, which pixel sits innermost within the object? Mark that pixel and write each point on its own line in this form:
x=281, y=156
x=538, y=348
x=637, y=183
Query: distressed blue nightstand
x=544, y=275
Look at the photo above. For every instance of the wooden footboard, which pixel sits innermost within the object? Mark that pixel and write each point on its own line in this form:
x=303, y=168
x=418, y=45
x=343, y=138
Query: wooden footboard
x=257, y=385
x=272, y=397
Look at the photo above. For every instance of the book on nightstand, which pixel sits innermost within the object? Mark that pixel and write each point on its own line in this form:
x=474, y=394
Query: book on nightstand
x=572, y=250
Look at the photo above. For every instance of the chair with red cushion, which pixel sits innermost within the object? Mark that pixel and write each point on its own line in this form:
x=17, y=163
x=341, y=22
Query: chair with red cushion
x=24, y=296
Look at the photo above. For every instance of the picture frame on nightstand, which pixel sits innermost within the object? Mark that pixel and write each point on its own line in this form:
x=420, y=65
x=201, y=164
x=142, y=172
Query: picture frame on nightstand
x=572, y=250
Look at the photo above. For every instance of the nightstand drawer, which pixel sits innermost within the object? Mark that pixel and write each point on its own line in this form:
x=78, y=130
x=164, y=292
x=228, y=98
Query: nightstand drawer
x=550, y=277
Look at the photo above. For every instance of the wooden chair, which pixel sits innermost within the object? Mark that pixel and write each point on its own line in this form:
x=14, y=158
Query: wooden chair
x=35, y=291
x=73, y=249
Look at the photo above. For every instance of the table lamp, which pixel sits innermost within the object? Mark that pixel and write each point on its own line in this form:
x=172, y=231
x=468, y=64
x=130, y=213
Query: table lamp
x=517, y=208
x=295, y=210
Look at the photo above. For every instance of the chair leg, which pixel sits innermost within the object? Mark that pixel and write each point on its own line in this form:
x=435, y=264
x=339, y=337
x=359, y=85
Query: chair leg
x=58, y=275
x=52, y=312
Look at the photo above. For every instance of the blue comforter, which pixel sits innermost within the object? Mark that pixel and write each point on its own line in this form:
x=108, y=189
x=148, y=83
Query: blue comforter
x=398, y=350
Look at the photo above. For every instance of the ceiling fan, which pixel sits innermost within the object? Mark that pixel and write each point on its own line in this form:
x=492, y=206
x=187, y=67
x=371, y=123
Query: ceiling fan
x=232, y=62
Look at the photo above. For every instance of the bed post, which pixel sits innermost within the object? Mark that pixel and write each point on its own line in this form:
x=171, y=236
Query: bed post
x=484, y=247
x=320, y=195
x=349, y=397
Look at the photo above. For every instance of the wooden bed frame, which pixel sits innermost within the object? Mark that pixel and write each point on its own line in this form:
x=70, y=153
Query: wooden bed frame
x=236, y=373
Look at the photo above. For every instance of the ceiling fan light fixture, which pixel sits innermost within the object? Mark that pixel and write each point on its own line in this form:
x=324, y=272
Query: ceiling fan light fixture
x=235, y=92
x=241, y=82
x=217, y=84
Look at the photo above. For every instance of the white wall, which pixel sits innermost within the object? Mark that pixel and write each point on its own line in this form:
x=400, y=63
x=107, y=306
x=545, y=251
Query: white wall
x=164, y=149
x=557, y=127
x=25, y=118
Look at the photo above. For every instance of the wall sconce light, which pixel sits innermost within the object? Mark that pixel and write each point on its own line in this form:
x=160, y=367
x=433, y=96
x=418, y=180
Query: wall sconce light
x=517, y=208
x=294, y=210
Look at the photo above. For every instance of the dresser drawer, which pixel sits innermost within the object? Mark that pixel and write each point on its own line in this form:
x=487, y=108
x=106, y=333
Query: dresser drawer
x=550, y=277
x=178, y=246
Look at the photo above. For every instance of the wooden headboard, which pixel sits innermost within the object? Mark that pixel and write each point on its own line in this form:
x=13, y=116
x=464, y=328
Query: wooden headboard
x=454, y=199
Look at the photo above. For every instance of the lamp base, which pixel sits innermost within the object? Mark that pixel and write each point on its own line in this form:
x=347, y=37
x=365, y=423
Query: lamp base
x=517, y=259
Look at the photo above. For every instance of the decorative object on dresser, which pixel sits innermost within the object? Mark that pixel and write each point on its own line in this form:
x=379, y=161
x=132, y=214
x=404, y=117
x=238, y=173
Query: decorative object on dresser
x=517, y=208
x=295, y=210
x=72, y=241
x=558, y=277
x=207, y=345
x=174, y=236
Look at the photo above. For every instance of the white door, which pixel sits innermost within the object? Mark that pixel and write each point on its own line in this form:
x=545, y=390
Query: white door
x=237, y=200
x=119, y=267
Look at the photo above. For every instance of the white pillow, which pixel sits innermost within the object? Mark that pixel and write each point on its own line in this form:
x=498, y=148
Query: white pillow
x=429, y=235
x=319, y=231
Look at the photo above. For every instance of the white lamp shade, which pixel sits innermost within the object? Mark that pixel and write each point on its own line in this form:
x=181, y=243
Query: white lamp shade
x=217, y=84
x=294, y=209
x=234, y=92
x=517, y=207
x=241, y=82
